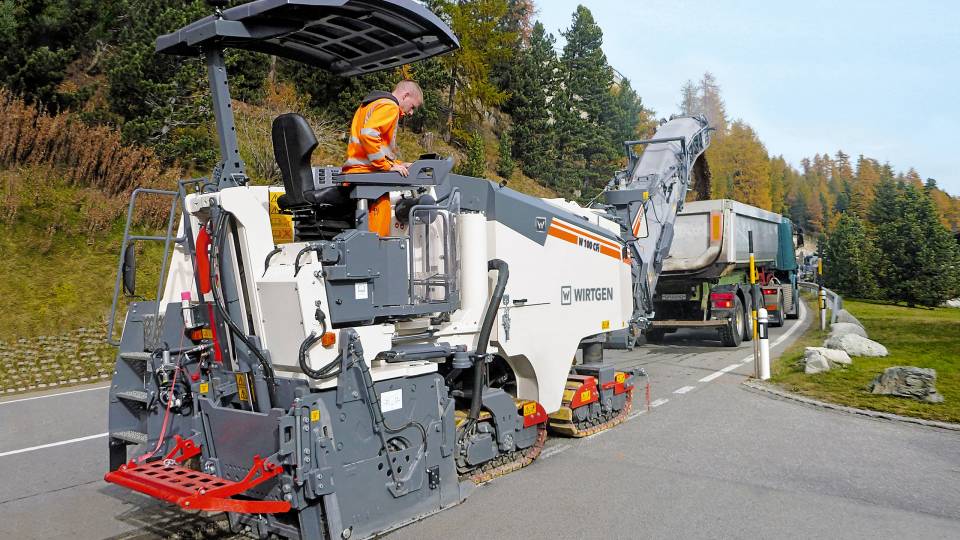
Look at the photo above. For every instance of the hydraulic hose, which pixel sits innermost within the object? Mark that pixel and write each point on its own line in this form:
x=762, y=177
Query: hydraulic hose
x=489, y=317
x=217, y=245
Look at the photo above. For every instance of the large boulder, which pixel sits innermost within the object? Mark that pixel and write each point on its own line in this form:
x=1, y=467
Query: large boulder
x=954, y=303
x=855, y=345
x=845, y=316
x=907, y=381
x=841, y=328
x=820, y=359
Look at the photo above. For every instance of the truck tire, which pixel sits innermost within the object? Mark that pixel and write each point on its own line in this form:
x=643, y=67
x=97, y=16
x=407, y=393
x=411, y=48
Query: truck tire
x=731, y=335
x=747, y=323
x=777, y=322
x=794, y=312
x=655, y=336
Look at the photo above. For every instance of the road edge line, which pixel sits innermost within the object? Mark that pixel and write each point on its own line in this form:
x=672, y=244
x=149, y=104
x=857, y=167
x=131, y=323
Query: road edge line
x=759, y=387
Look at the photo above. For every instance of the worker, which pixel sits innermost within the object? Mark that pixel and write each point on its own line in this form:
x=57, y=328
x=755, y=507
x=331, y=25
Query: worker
x=373, y=142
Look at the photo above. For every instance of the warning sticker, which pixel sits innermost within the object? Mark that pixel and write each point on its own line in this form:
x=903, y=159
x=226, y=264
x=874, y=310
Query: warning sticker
x=360, y=291
x=392, y=400
x=529, y=408
x=280, y=224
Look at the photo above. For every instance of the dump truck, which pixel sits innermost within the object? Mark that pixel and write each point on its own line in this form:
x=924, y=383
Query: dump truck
x=705, y=282
x=313, y=377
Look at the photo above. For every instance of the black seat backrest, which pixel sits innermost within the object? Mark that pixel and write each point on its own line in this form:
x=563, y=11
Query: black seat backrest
x=293, y=143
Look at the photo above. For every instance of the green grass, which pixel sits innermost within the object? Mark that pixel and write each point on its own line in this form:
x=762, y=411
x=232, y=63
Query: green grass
x=56, y=271
x=928, y=338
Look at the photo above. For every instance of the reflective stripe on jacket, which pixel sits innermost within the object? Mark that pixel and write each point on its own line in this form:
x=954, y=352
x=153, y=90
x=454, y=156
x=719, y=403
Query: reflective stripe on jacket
x=373, y=132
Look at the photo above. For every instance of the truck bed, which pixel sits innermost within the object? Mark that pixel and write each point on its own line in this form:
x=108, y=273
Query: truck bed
x=711, y=238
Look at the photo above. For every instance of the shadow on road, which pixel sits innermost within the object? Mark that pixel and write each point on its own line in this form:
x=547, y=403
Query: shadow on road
x=155, y=520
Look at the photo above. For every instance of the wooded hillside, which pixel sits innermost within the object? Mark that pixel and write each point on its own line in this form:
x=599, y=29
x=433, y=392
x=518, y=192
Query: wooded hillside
x=560, y=115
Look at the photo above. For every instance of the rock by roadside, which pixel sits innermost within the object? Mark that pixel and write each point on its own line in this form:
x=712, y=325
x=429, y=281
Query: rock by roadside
x=841, y=328
x=845, y=316
x=855, y=345
x=954, y=303
x=820, y=359
x=907, y=381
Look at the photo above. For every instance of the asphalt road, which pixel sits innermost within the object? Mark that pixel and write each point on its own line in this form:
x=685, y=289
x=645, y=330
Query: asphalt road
x=710, y=459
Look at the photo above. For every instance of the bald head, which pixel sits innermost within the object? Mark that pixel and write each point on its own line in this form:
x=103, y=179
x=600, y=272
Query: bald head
x=409, y=95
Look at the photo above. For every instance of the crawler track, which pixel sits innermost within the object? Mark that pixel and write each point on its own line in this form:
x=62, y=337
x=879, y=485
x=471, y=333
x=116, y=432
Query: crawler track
x=595, y=425
x=509, y=462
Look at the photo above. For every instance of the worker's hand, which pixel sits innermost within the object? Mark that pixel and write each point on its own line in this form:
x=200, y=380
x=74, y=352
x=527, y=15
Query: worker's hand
x=402, y=168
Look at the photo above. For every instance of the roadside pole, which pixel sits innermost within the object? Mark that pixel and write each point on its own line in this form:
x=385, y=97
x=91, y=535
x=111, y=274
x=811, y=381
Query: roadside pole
x=821, y=294
x=754, y=305
x=764, y=343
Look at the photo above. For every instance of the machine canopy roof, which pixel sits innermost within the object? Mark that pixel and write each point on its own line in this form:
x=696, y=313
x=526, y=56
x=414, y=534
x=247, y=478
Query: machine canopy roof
x=344, y=37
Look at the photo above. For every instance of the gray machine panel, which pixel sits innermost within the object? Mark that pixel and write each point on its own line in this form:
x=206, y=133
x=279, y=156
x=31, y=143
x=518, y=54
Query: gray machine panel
x=345, y=37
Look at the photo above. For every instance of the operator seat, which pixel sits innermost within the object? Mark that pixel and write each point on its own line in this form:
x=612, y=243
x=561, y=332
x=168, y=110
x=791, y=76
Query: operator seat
x=293, y=144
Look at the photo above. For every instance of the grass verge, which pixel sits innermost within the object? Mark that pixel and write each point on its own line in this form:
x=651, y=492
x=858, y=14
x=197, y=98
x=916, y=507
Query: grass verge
x=928, y=338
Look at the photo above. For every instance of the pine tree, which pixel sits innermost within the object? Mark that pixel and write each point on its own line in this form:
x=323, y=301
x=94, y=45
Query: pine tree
x=505, y=164
x=583, y=106
x=921, y=260
x=39, y=40
x=851, y=258
x=476, y=163
x=534, y=83
x=627, y=113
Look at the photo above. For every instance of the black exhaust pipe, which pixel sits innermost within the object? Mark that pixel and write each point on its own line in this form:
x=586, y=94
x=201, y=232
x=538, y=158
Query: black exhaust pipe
x=489, y=317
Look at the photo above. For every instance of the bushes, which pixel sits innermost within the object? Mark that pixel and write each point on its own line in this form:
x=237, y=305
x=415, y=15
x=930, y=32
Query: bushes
x=83, y=156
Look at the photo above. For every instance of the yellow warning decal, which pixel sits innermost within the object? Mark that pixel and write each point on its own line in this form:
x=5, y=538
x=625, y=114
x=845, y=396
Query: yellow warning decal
x=529, y=408
x=314, y=415
x=204, y=387
x=585, y=395
x=280, y=224
x=605, y=325
x=242, y=387
x=206, y=333
x=620, y=377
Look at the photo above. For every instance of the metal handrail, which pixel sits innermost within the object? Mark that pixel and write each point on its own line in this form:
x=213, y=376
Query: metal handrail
x=836, y=302
x=128, y=238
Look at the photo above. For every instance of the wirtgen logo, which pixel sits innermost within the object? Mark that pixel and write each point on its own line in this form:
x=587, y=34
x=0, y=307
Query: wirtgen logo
x=569, y=295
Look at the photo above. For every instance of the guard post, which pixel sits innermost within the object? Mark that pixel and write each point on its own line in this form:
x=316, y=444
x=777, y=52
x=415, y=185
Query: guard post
x=821, y=294
x=763, y=322
x=754, y=304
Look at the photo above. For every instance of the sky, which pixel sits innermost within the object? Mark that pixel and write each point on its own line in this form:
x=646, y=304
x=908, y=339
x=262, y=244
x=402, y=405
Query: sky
x=874, y=77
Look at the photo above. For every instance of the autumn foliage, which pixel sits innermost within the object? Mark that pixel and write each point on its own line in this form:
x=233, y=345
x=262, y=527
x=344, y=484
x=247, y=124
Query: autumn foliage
x=92, y=158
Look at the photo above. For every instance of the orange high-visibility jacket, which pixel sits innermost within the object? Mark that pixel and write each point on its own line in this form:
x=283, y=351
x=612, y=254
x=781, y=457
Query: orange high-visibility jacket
x=373, y=134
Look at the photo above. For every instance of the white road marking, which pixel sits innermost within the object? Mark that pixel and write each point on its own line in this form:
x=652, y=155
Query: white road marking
x=51, y=445
x=597, y=434
x=634, y=415
x=659, y=402
x=53, y=395
x=550, y=452
x=683, y=390
x=719, y=373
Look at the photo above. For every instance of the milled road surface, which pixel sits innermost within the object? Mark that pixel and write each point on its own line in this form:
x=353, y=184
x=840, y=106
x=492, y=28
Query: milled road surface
x=710, y=459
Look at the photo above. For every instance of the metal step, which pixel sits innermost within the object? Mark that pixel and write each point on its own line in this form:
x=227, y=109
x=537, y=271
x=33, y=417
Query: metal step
x=136, y=356
x=134, y=437
x=134, y=395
